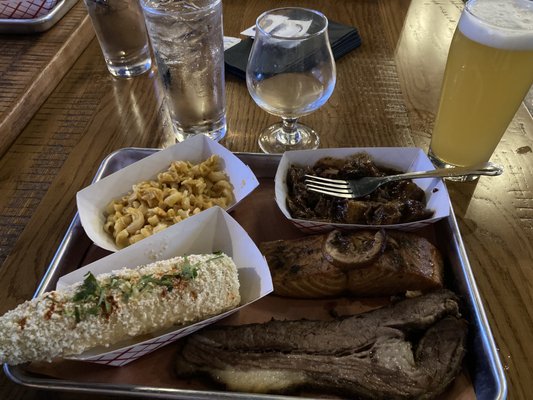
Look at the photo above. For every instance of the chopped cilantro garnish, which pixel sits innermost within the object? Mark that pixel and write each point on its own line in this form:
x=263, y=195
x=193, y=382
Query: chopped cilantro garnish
x=189, y=271
x=145, y=280
x=89, y=288
x=95, y=298
x=92, y=298
x=77, y=314
x=165, y=280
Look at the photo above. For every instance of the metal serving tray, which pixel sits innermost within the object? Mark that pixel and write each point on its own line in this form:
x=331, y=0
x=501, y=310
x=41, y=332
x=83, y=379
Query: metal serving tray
x=482, y=362
x=35, y=25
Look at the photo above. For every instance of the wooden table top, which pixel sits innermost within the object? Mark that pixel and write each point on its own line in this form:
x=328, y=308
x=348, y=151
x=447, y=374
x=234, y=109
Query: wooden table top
x=386, y=95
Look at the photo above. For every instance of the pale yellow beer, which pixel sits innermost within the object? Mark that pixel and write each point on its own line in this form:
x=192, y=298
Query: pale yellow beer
x=488, y=73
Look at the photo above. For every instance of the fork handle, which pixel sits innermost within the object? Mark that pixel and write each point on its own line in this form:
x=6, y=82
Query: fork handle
x=480, y=169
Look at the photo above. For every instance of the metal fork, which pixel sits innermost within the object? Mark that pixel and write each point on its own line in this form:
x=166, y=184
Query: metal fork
x=351, y=189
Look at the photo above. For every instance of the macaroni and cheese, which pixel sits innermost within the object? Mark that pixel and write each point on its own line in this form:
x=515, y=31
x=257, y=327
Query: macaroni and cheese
x=184, y=189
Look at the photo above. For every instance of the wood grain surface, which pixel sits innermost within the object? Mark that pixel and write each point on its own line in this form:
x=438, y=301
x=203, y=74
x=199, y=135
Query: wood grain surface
x=386, y=95
x=31, y=66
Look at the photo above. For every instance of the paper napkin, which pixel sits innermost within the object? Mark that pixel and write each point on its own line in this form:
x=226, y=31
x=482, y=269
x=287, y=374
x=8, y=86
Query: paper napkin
x=343, y=39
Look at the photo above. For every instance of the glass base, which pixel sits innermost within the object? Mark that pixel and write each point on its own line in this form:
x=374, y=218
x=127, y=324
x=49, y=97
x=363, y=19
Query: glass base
x=274, y=140
x=214, y=131
x=131, y=69
x=438, y=163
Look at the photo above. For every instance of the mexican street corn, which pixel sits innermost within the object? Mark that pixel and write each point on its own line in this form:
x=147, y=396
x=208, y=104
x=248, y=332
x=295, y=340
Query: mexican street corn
x=116, y=306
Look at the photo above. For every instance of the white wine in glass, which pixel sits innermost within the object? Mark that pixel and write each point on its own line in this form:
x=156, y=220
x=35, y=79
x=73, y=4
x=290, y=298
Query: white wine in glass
x=290, y=73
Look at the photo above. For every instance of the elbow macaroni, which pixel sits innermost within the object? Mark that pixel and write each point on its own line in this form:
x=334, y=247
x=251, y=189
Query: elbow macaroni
x=184, y=189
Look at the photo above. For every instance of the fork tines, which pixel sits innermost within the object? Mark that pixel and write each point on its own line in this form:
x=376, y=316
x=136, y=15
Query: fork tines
x=332, y=187
x=326, y=181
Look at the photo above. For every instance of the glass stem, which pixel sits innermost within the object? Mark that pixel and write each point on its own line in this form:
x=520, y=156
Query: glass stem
x=289, y=134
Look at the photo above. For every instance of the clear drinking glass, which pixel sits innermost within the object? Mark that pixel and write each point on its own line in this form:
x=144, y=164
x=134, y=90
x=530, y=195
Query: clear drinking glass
x=290, y=73
x=188, y=43
x=488, y=73
x=121, y=32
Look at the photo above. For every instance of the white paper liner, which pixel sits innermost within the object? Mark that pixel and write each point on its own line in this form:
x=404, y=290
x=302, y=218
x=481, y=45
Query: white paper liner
x=400, y=158
x=93, y=200
x=207, y=232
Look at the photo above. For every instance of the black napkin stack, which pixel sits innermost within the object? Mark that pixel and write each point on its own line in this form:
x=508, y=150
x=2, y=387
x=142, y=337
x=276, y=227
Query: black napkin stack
x=342, y=38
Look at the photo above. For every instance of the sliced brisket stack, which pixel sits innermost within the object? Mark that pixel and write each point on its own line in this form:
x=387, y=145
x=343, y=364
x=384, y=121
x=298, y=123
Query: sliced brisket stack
x=410, y=350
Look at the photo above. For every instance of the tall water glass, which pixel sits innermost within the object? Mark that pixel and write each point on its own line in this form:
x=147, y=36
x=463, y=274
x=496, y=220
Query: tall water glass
x=121, y=32
x=290, y=73
x=189, y=49
x=488, y=73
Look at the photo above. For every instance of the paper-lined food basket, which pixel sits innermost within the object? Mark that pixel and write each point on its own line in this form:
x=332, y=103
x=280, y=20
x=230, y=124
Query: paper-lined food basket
x=212, y=230
x=404, y=159
x=92, y=200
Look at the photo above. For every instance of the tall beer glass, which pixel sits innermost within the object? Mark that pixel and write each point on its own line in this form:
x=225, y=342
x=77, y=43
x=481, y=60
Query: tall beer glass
x=488, y=73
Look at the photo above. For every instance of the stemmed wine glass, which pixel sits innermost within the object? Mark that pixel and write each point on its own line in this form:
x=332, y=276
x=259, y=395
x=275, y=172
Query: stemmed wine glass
x=290, y=73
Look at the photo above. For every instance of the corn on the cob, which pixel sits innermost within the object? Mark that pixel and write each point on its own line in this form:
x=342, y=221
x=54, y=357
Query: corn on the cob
x=112, y=307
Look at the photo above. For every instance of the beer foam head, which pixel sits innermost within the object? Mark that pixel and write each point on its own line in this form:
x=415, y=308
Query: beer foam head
x=506, y=24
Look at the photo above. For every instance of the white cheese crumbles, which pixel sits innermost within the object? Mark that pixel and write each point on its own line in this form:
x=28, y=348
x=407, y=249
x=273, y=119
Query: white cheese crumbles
x=116, y=306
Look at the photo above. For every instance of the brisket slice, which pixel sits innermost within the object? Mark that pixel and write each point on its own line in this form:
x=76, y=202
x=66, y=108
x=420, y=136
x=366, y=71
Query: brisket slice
x=412, y=349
